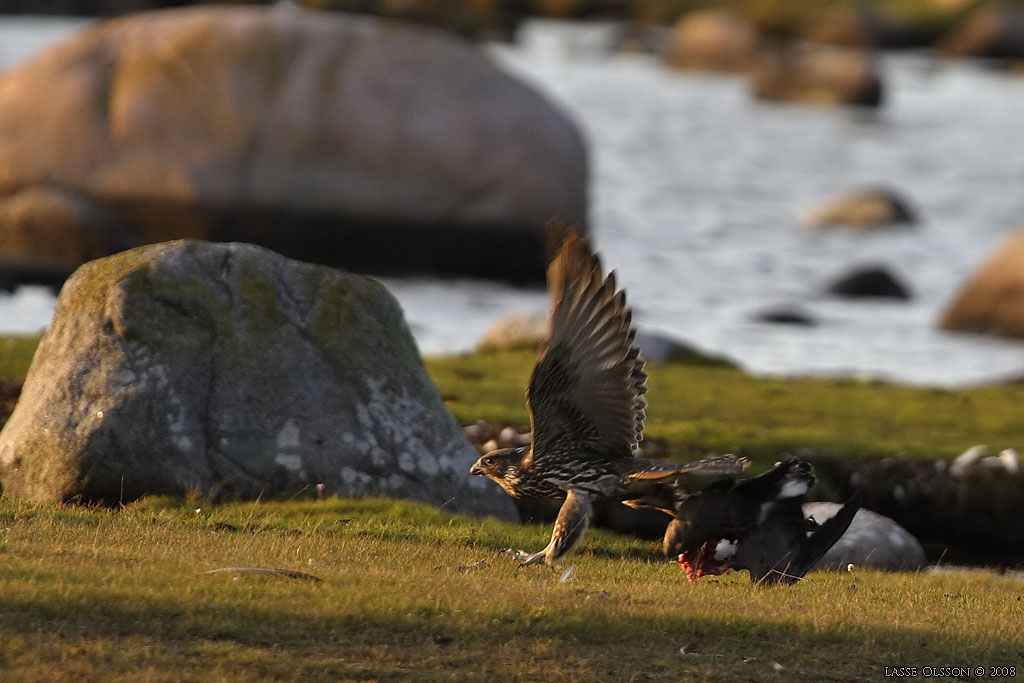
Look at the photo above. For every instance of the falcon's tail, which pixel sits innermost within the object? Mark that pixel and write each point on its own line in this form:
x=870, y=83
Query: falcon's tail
x=714, y=466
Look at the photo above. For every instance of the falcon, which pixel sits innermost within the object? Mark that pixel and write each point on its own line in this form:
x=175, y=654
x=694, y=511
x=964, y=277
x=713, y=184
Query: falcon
x=586, y=399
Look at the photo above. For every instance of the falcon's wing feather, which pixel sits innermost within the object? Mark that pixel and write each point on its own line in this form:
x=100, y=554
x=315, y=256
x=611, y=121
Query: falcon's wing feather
x=588, y=384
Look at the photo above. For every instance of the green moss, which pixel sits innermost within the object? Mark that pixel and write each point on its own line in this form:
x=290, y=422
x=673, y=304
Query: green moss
x=700, y=409
x=710, y=409
x=16, y=356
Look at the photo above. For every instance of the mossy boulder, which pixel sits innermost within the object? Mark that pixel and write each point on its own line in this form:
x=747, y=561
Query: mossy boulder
x=992, y=300
x=233, y=372
x=340, y=139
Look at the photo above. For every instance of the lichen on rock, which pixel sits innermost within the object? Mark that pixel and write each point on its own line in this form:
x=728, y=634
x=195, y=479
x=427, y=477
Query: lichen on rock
x=232, y=371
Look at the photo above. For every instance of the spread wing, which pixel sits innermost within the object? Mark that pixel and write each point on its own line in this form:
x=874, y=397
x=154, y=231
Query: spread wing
x=586, y=393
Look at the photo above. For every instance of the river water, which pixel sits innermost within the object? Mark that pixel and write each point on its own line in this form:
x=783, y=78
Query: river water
x=696, y=194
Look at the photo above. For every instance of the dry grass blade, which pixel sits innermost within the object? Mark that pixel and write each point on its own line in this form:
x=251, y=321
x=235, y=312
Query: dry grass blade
x=287, y=573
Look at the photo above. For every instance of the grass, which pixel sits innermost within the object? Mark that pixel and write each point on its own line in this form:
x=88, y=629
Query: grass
x=16, y=355
x=409, y=592
x=713, y=409
x=699, y=409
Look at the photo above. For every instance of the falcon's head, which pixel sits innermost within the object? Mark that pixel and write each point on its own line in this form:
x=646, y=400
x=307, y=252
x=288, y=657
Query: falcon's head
x=501, y=466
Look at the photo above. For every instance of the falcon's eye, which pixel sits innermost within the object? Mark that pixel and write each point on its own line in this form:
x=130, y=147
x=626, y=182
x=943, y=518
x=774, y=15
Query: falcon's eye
x=488, y=461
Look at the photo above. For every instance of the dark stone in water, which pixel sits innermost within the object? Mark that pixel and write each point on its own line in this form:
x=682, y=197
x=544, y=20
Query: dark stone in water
x=869, y=281
x=785, y=316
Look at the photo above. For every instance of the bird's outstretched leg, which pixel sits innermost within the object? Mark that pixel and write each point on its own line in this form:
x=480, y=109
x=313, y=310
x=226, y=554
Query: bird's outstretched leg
x=572, y=522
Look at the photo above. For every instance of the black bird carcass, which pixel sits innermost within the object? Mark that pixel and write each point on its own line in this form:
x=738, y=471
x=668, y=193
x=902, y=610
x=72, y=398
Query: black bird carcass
x=755, y=524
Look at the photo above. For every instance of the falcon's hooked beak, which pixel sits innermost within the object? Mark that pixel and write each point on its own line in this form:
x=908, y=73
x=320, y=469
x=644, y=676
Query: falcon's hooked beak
x=494, y=463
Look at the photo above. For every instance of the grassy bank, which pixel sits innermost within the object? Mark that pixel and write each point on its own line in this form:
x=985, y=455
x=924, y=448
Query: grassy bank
x=709, y=409
x=408, y=592
x=695, y=410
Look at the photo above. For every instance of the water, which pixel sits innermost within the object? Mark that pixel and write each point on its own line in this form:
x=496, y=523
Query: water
x=696, y=194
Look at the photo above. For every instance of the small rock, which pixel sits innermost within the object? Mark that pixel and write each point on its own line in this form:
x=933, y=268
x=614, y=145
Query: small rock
x=518, y=331
x=509, y=437
x=514, y=332
x=966, y=460
x=785, y=316
x=863, y=209
x=711, y=40
x=816, y=74
x=992, y=32
x=872, y=540
x=660, y=347
x=869, y=281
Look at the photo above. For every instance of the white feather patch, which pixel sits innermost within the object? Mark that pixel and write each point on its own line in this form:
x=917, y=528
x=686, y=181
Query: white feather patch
x=793, y=489
x=725, y=550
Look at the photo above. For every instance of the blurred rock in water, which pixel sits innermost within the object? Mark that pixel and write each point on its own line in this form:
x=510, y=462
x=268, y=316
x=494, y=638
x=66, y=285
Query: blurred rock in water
x=991, y=33
x=992, y=300
x=865, y=208
x=514, y=332
x=711, y=40
x=525, y=331
x=869, y=281
x=48, y=231
x=816, y=74
x=340, y=139
x=785, y=315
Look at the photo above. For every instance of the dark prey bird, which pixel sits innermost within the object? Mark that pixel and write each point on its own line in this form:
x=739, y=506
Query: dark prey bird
x=755, y=524
x=586, y=402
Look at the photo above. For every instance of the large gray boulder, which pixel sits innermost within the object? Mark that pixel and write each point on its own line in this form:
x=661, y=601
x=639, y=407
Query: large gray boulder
x=872, y=540
x=339, y=139
x=231, y=371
